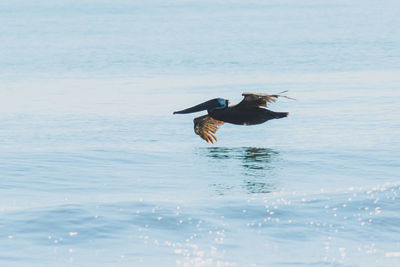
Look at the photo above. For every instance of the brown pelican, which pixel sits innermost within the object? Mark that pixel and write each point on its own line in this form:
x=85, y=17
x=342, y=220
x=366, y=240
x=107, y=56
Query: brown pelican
x=247, y=112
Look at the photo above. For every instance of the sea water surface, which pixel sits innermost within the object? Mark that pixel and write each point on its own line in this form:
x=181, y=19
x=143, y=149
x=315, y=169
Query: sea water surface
x=96, y=171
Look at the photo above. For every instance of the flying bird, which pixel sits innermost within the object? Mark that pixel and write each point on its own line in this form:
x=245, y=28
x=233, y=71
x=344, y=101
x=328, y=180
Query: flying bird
x=249, y=111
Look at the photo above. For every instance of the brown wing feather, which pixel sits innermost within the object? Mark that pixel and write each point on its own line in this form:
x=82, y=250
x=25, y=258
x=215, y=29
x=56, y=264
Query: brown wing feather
x=257, y=100
x=206, y=127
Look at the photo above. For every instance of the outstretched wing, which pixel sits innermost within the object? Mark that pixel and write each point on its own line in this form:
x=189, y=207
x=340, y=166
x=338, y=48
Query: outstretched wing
x=252, y=100
x=206, y=127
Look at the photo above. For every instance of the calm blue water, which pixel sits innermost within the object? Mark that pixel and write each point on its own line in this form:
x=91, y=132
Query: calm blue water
x=96, y=171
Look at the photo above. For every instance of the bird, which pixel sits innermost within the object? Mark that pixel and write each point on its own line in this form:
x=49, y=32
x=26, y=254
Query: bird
x=249, y=111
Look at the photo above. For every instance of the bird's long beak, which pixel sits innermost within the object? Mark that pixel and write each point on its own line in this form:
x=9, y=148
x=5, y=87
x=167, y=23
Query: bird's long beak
x=203, y=106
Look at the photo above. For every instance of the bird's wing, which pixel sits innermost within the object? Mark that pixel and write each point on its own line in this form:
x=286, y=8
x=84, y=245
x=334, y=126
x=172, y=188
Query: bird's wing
x=206, y=127
x=252, y=100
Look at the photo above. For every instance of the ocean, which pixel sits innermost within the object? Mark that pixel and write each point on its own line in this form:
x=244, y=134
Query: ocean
x=95, y=170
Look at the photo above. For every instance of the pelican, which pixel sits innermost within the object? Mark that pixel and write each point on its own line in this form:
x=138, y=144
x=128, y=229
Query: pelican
x=248, y=112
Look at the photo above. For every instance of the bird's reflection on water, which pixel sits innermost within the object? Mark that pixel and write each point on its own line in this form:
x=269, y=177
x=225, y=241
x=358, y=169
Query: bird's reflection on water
x=256, y=167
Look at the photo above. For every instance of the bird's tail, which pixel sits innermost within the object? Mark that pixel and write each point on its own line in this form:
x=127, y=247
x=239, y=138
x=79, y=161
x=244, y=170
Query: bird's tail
x=279, y=115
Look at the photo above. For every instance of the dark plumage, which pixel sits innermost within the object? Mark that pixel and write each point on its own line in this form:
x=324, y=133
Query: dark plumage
x=248, y=112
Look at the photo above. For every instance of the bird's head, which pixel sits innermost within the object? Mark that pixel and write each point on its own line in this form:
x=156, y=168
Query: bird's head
x=216, y=103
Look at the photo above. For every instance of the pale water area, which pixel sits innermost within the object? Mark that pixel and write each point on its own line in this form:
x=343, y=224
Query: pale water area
x=96, y=171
